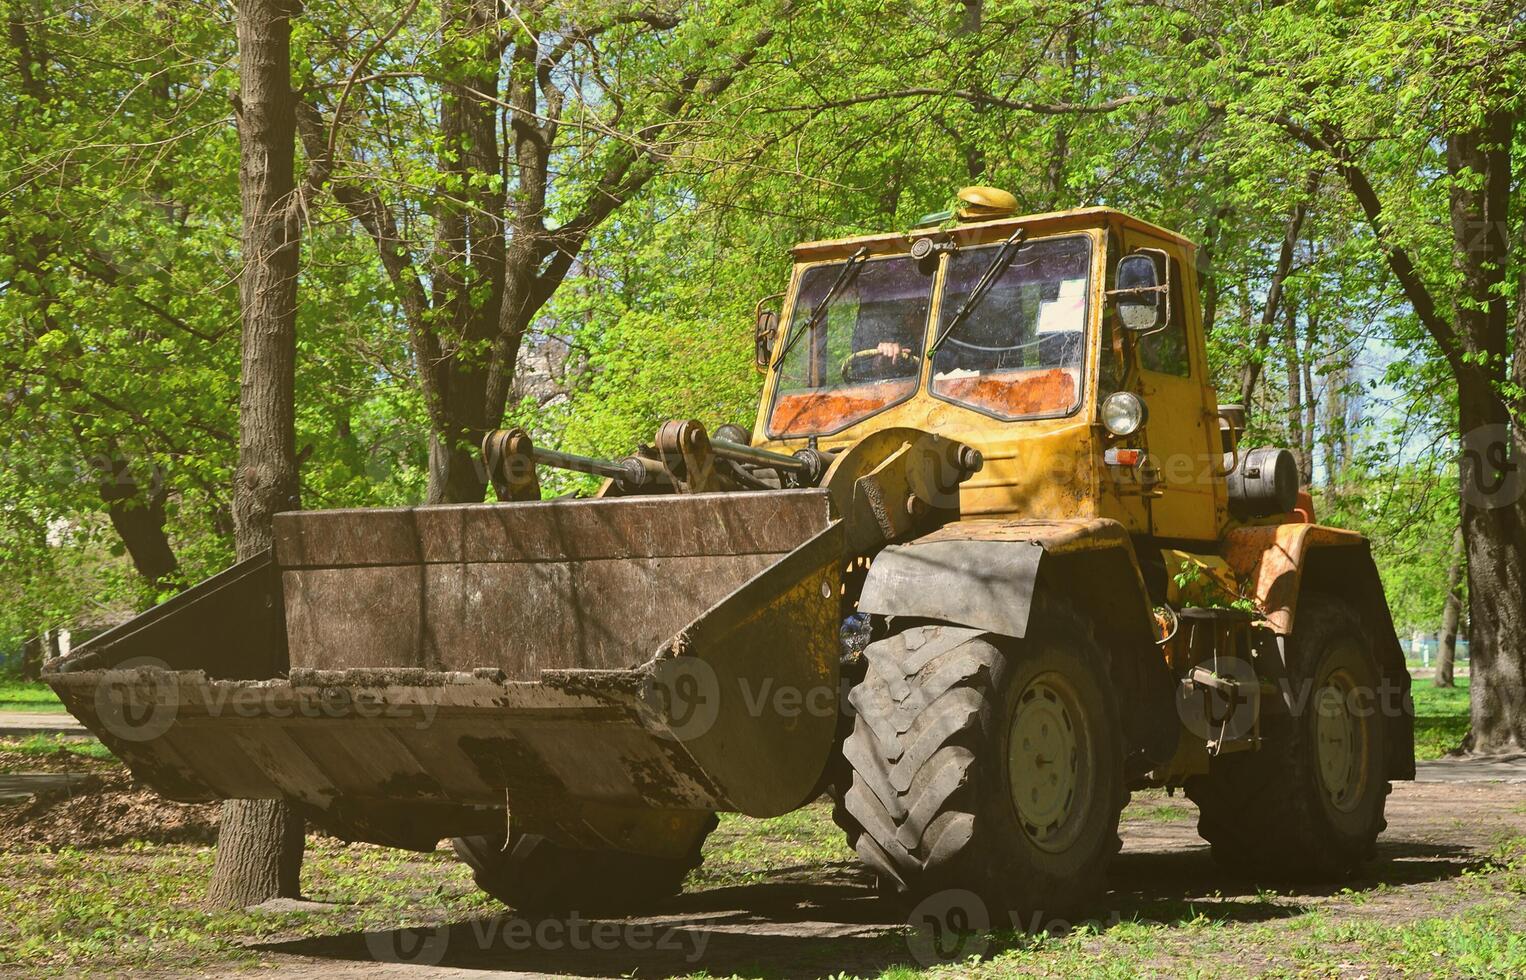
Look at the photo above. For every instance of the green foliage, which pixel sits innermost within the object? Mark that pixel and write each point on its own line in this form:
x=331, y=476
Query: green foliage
x=119, y=238
x=28, y=696
x=673, y=345
x=1409, y=512
x=119, y=315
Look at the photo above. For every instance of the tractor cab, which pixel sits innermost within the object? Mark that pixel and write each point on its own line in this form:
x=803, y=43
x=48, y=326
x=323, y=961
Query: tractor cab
x=1066, y=347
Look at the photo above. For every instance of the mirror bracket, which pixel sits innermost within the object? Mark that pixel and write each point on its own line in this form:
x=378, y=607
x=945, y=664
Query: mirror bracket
x=765, y=328
x=1161, y=291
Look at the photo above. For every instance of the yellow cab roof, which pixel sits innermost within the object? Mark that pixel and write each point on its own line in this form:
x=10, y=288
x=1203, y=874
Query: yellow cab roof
x=965, y=232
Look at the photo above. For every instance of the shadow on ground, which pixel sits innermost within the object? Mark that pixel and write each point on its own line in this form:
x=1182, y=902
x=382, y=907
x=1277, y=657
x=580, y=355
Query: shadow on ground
x=1171, y=887
x=821, y=920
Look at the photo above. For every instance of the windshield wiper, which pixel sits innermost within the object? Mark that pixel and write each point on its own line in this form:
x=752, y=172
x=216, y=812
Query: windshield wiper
x=1004, y=257
x=850, y=267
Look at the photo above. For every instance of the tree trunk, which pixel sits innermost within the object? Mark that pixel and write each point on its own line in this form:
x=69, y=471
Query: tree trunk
x=1496, y=540
x=495, y=262
x=260, y=842
x=1295, y=393
x=139, y=520
x=468, y=279
x=1493, y=512
x=1208, y=276
x=1310, y=399
x=259, y=854
x=1451, y=611
x=1252, y=371
x=1335, y=424
x=31, y=657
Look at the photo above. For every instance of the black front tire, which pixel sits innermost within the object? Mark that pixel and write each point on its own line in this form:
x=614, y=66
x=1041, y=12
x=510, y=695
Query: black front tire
x=937, y=767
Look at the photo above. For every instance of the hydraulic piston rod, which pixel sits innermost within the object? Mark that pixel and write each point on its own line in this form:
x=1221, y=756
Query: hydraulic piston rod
x=608, y=468
x=727, y=449
x=511, y=459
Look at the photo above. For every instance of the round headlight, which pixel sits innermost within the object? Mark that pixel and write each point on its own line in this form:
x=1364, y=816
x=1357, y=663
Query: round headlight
x=1123, y=413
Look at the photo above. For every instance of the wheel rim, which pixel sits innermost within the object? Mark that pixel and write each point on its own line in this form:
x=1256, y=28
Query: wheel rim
x=1341, y=738
x=1049, y=762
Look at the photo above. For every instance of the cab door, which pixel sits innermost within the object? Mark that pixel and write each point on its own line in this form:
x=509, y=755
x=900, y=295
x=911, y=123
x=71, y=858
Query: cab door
x=1182, y=432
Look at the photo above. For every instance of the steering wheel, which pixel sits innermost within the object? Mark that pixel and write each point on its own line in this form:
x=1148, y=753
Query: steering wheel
x=858, y=355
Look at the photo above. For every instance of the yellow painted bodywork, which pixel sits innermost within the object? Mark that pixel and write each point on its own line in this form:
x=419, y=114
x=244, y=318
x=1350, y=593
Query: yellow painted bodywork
x=1052, y=468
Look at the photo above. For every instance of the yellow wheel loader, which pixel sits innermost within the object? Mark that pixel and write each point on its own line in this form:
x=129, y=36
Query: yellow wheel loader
x=990, y=557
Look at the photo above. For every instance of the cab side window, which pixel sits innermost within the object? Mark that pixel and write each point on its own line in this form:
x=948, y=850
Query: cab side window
x=1166, y=351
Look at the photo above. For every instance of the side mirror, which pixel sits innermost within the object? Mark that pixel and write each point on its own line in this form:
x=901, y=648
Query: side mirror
x=1142, y=296
x=765, y=327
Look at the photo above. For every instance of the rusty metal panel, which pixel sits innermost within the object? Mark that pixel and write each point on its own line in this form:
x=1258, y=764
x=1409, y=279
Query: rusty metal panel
x=451, y=663
x=228, y=626
x=450, y=738
x=983, y=573
x=984, y=584
x=521, y=618
x=770, y=522
x=406, y=755
x=524, y=587
x=1269, y=559
x=1277, y=561
x=765, y=663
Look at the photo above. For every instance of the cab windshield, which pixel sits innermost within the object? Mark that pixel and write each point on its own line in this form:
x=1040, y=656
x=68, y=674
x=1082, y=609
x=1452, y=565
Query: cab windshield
x=862, y=355
x=1017, y=353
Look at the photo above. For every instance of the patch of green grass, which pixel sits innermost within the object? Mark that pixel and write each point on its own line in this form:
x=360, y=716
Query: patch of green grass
x=113, y=912
x=1157, y=806
x=1441, y=717
x=1160, y=813
x=28, y=696
x=742, y=849
x=1484, y=940
x=41, y=745
x=116, y=911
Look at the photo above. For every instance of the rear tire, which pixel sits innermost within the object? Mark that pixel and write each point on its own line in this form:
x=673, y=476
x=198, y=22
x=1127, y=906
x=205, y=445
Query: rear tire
x=1309, y=803
x=987, y=764
x=533, y=874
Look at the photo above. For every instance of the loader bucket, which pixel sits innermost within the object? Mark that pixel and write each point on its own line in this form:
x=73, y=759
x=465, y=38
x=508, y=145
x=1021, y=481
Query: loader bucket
x=404, y=675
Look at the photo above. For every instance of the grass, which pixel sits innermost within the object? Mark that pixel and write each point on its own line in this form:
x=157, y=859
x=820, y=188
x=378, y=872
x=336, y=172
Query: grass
x=122, y=910
x=1441, y=717
x=28, y=696
x=742, y=850
x=132, y=909
x=47, y=745
x=1162, y=813
x=112, y=912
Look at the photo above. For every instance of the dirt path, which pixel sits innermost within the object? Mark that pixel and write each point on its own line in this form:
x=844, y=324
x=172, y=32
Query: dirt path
x=1494, y=769
x=22, y=724
x=817, y=921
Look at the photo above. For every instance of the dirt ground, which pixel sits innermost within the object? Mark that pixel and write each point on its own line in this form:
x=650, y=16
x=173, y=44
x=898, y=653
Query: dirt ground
x=820, y=920
x=811, y=911
x=100, y=807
